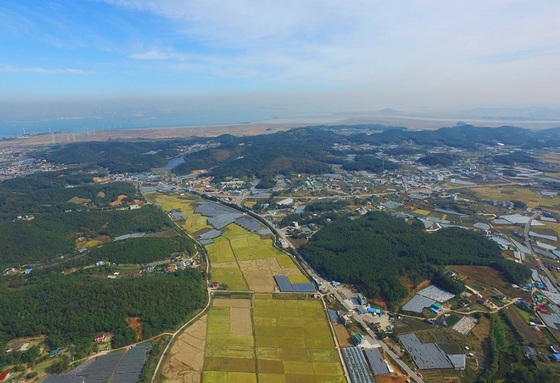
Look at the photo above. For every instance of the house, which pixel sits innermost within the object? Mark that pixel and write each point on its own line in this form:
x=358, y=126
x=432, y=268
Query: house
x=5, y=375
x=102, y=337
x=555, y=349
x=344, y=318
x=357, y=339
x=362, y=299
x=436, y=307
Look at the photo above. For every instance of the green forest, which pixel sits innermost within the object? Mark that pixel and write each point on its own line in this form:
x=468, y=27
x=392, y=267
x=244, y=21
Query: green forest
x=264, y=156
x=51, y=235
x=116, y=156
x=51, y=192
x=72, y=309
x=141, y=250
x=376, y=251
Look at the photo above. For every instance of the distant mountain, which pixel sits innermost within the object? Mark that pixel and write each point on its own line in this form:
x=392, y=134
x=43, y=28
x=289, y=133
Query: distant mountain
x=389, y=112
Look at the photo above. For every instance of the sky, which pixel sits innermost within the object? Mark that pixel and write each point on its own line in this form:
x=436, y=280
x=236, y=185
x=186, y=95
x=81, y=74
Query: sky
x=249, y=59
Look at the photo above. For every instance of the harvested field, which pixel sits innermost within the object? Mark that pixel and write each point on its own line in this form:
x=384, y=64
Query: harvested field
x=530, y=334
x=186, y=357
x=78, y=200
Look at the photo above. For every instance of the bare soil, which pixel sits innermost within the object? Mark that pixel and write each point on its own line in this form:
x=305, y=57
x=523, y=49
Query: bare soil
x=342, y=335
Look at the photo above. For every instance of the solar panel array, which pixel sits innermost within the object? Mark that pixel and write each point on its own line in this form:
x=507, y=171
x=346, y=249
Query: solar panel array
x=376, y=361
x=102, y=369
x=333, y=315
x=426, y=355
x=220, y=216
x=62, y=379
x=116, y=367
x=283, y=283
x=356, y=365
x=131, y=366
x=286, y=286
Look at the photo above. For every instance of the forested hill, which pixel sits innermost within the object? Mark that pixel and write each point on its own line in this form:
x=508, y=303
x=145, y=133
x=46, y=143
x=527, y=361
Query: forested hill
x=295, y=151
x=72, y=309
x=380, y=252
x=117, y=156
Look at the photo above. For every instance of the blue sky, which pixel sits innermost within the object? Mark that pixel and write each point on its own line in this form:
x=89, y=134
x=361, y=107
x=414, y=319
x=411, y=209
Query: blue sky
x=291, y=56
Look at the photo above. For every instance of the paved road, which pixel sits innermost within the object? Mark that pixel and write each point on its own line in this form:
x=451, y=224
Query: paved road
x=413, y=375
x=530, y=247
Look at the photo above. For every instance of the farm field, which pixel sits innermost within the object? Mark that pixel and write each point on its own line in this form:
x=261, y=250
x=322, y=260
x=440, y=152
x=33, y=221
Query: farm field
x=186, y=357
x=257, y=258
x=531, y=198
x=230, y=346
x=240, y=259
x=274, y=340
x=185, y=205
x=294, y=342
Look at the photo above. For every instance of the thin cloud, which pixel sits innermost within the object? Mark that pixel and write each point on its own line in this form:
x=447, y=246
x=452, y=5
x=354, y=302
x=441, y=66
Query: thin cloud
x=12, y=69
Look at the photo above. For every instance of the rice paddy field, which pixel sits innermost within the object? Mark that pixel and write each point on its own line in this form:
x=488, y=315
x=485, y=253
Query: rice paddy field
x=185, y=204
x=270, y=340
x=264, y=339
x=531, y=198
x=240, y=259
x=294, y=342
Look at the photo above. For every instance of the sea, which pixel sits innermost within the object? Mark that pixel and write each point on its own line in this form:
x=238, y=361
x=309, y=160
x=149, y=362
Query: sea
x=10, y=127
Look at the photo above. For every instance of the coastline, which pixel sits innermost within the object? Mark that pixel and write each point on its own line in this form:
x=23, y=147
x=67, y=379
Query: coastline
x=262, y=127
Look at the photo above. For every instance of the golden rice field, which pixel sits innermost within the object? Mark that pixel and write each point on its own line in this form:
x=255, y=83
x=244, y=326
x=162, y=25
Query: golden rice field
x=294, y=342
x=291, y=342
x=185, y=205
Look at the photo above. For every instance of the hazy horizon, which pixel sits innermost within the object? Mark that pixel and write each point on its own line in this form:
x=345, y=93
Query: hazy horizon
x=194, y=62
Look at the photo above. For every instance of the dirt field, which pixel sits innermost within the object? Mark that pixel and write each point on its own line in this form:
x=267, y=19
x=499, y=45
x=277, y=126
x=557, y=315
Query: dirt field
x=342, y=335
x=135, y=324
x=530, y=335
x=186, y=357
